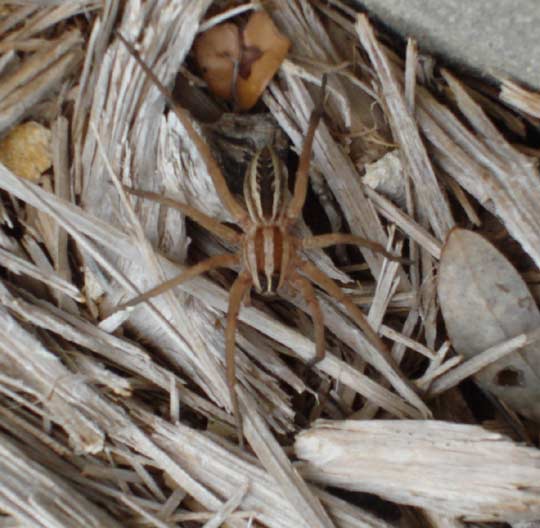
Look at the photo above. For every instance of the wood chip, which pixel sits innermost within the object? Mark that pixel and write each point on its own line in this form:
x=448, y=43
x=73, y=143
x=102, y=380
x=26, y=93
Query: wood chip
x=525, y=100
x=131, y=412
x=458, y=470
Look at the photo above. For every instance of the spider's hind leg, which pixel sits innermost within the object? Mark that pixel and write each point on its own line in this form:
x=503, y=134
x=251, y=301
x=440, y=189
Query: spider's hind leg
x=308, y=291
x=328, y=284
x=217, y=261
x=383, y=361
x=332, y=239
x=237, y=293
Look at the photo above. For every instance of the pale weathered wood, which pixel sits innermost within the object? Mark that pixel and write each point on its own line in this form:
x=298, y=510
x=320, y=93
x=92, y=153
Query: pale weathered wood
x=461, y=471
x=125, y=419
x=525, y=100
x=405, y=131
x=40, y=497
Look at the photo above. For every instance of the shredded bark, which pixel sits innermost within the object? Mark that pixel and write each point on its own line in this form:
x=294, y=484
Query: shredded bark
x=124, y=418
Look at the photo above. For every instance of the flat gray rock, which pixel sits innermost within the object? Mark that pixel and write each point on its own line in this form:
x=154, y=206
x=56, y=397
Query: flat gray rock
x=496, y=37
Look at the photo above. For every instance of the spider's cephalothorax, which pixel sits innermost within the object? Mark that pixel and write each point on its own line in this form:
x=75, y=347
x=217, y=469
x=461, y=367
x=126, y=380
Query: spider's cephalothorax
x=268, y=255
x=266, y=248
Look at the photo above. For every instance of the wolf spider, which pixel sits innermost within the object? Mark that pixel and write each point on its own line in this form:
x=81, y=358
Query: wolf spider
x=268, y=254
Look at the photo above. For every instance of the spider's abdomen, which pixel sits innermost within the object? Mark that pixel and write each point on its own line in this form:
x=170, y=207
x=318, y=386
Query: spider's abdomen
x=265, y=187
x=266, y=257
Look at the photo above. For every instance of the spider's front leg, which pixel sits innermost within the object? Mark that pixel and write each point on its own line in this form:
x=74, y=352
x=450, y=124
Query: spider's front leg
x=213, y=225
x=225, y=195
x=302, y=174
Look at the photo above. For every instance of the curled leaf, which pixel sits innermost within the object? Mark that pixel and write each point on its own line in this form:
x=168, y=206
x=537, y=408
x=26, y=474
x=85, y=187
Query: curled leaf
x=260, y=34
x=216, y=52
x=257, y=49
x=484, y=301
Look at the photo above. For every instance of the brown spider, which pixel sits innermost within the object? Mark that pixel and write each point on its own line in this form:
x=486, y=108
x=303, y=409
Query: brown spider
x=268, y=254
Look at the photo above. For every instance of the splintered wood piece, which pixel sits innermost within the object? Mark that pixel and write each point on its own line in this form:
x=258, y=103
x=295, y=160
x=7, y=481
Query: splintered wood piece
x=520, y=98
x=485, y=302
x=485, y=164
x=457, y=470
x=37, y=76
x=220, y=467
x=57, y=500
x=432, y=200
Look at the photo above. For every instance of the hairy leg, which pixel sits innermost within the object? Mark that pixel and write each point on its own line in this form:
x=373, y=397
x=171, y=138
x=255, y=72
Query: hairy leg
x=318, y=321
x=302, y=174
x=225, y=195
x=218, y=261
x=219, y=229
x=335, y=291
x=331, y=239
x=238, y=291
x=383, y=361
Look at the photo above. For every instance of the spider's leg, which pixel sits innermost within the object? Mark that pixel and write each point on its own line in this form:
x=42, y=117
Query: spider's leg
x=219, y=229
x=217, y=261
x=302, y=174
x=234, y=85
x=328, y=284
x=382, y=361
x=316, y=314
x=237, y=293
x=225, y=195
x=331, y=239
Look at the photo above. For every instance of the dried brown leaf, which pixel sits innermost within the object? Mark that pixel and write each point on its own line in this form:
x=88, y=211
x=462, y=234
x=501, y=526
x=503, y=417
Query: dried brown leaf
x=26, y=150
x=216, y=52
x=484, y=302
x=260, y=34
x=257, y=51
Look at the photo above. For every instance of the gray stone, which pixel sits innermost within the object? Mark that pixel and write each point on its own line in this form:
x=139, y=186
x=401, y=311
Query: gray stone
x=496, y=37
